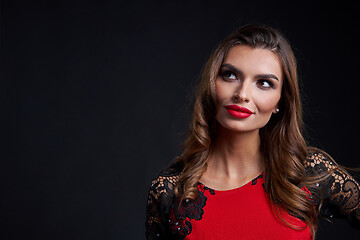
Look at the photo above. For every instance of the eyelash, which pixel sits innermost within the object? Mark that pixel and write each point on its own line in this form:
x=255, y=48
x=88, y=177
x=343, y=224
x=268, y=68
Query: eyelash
x=226, y=73
x=267, y=81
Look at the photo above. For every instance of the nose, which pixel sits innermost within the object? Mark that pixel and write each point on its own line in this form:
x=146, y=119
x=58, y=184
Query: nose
x=242, y=92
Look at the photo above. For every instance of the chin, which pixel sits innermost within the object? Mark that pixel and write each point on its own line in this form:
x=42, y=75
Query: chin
x=237, y=126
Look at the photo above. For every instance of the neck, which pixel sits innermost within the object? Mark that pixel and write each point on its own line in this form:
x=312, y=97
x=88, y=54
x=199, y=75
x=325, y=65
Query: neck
x=236, y=155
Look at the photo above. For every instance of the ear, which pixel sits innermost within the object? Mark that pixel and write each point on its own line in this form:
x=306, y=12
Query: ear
x=276, y=110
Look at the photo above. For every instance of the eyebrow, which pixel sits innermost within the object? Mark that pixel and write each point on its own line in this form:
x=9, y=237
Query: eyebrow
x=266, y=75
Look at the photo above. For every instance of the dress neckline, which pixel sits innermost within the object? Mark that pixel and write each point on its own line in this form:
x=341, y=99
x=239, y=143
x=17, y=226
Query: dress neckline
x=251, y=182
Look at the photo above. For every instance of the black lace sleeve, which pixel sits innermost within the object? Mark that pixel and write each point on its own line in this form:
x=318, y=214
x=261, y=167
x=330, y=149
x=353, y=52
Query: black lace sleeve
x=337, y=195
x=160, y=197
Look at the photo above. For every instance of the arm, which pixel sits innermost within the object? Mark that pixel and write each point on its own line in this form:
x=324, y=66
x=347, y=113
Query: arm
x=154, y=225
x=157, y=210
x=339, y=192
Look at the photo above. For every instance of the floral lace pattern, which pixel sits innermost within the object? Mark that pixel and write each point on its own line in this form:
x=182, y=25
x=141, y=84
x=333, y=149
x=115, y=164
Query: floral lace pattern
x=165, y=219
x=180, y=217
x=159, y=201
x=339, y=193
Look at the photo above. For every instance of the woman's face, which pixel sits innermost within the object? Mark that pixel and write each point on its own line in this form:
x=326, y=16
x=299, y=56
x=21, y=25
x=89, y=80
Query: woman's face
x=248, y=88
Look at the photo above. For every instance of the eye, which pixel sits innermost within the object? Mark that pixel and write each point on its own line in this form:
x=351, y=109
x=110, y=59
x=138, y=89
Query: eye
x=264, y=83
x=228, y=76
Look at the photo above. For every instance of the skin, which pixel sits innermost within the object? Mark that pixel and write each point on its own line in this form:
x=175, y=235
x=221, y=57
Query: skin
x=251, y=78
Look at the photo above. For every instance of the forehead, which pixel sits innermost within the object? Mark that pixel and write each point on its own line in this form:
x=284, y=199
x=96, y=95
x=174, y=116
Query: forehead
x=253, y=61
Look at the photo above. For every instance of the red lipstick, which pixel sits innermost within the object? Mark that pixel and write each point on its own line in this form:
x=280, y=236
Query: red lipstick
x=238, y=112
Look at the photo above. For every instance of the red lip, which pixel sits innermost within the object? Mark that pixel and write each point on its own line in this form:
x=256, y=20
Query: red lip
x=238, y=112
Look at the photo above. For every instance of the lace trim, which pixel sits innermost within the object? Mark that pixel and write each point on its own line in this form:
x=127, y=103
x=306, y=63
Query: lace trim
x=180, y=217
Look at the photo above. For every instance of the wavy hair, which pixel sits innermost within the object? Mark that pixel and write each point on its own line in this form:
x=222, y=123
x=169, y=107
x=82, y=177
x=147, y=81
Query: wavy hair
x=282, y=144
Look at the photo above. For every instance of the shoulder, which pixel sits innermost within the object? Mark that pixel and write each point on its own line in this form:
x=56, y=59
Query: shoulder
x=318, y=161
x=165, y=181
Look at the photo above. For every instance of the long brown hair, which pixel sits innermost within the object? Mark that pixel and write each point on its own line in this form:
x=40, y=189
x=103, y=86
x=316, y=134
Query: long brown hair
x=282, y=144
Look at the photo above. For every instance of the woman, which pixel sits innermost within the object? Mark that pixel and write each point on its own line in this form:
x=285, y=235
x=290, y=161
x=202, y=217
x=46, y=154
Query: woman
x=246, y=171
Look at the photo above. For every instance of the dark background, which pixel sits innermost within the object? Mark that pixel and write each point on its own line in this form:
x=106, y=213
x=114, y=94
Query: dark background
x=95, y=98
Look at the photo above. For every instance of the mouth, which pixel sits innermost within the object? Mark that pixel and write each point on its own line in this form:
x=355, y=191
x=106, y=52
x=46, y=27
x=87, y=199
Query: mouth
x=238, y=112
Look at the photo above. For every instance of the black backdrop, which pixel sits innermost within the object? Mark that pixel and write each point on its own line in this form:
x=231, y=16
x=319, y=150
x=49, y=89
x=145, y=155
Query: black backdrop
x=95, y=97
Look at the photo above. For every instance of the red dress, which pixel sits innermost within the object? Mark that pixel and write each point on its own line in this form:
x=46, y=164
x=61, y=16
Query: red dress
x=243, y=213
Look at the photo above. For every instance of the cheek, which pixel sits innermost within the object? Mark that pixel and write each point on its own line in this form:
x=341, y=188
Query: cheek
x=221, y=92
x=267, y=104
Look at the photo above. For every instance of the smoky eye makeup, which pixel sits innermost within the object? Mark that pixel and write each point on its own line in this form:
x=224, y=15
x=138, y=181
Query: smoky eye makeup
x=265, y=83
x=228, y=75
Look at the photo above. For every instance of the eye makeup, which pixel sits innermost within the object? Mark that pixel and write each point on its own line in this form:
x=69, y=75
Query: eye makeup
x=230, y=73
